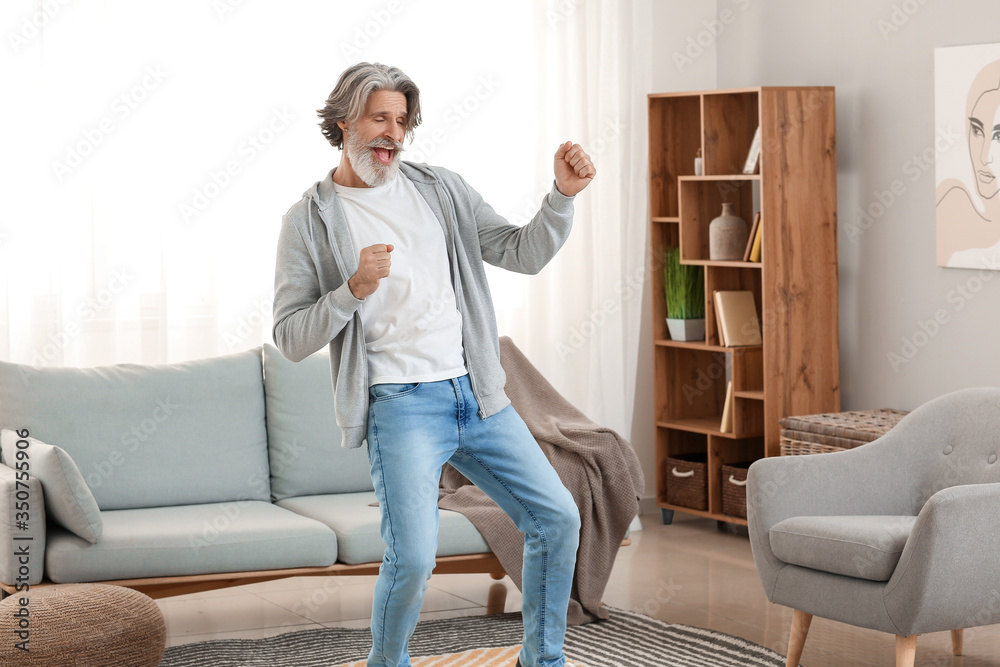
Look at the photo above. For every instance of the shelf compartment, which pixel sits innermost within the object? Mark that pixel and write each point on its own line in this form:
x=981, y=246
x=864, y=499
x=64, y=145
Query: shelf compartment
x=674, y=140
x=662, y=236
x=701, y=202
x=725, y=452
x=730, y=278
x=731, y=119
x=748, y=416
x=748, y=372
x=670, y=442
x=699, y=388
x=695, y=401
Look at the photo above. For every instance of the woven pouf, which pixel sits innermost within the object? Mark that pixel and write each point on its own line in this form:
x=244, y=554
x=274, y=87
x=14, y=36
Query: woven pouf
x=82, y=624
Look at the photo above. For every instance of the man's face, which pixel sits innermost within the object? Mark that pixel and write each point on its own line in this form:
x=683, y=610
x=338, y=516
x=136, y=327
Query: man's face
x=374, y=142
x=984, y=143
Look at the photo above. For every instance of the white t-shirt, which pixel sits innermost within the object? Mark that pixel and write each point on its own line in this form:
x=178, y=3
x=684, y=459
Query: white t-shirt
x=413, y=328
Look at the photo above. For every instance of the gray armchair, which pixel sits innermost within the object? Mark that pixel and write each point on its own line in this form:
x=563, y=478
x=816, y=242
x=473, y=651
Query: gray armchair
x=901, y=535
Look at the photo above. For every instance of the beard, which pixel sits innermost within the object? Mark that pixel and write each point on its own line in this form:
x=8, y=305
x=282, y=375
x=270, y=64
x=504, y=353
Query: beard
x=370, y=170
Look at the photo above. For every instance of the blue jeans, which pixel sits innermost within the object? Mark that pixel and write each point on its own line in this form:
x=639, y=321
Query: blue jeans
x=413, y=430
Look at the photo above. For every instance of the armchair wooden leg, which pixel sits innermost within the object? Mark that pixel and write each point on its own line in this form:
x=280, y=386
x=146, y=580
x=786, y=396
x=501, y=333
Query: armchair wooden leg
x=957, y=642
x=906, y=650
x=797, y=637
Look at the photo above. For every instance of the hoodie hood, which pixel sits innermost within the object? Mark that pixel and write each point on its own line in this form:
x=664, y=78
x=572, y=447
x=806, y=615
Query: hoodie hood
x=323, y=193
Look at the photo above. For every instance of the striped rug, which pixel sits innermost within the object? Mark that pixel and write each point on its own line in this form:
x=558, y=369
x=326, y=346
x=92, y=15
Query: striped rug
x=627, y=639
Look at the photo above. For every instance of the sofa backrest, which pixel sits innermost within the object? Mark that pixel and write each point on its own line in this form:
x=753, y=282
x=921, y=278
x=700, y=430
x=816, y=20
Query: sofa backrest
x=302, y=433
x=150, y=436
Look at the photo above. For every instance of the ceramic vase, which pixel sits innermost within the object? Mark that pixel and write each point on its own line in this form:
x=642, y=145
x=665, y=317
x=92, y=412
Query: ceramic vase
x=727, y=236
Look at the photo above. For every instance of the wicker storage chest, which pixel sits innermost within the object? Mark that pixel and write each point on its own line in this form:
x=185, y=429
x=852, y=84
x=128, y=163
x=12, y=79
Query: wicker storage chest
x=687, y=480
x=835, y=432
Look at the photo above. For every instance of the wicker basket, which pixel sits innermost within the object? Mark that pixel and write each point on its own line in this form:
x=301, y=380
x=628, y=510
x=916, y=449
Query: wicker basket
x=734, y=489
x=835, y=432
x=687, y=481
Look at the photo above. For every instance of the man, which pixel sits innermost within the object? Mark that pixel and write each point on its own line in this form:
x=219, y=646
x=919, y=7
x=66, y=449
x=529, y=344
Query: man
x=383, y=261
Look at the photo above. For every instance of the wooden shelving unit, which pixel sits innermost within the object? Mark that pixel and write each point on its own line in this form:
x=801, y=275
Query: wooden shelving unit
x=796, y=370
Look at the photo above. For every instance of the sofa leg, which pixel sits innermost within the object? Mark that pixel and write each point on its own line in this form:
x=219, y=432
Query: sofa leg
x=957, y=642
x=797, y=637
x=497, y=599
x=906, y=650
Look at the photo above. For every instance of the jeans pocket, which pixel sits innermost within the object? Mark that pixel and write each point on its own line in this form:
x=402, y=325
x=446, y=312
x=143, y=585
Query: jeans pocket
x=389, y=391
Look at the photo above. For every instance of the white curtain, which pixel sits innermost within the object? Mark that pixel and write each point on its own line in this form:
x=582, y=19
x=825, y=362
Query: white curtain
x=580, y=320
x=150, y=149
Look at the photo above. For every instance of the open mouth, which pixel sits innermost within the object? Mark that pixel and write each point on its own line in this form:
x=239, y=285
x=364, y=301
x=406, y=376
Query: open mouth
x=383, y=154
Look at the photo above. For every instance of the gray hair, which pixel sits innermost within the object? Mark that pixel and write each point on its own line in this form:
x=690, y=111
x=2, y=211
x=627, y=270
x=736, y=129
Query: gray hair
x=347, y=101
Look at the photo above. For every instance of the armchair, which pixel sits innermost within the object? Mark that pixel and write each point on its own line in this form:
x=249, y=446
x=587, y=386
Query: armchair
x=901, y=535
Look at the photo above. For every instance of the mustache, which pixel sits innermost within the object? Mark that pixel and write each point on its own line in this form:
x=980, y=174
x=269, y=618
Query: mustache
x=382, y=142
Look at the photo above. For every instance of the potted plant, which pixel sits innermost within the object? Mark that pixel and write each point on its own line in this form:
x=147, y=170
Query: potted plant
x=684, y=285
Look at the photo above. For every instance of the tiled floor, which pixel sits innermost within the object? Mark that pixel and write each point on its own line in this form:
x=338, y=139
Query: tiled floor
x=689, y=573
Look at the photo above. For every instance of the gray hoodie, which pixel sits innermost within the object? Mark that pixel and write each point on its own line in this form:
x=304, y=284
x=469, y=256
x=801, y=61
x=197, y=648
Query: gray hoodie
x=313, y=306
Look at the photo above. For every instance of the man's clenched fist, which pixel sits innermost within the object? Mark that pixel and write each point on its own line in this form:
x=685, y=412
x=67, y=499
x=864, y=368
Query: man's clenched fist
x=574, y=169
x=373, y=266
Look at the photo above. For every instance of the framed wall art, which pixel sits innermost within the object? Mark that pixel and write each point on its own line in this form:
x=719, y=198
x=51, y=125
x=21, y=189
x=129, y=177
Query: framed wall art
x=967, y=119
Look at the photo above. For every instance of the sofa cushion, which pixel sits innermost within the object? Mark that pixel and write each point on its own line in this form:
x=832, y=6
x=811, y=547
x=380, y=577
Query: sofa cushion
x=67, y=498
x=191, y=539
x=356, y=523
x=302, y=432
x=150, y=436
x=863, y=547
x=19, y=531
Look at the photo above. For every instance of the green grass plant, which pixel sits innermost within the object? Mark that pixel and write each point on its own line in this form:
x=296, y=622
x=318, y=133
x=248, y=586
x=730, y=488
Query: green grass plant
x=684, y=285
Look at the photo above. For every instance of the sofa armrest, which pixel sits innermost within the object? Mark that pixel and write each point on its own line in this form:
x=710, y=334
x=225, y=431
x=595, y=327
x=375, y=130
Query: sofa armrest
x=948, y=576
x=869, y=480
x=22, y=528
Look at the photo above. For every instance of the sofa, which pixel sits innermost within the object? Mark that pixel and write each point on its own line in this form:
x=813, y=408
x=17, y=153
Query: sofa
x=185, y=477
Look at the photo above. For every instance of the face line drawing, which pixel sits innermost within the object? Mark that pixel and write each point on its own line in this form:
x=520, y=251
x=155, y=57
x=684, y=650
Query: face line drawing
x=983, y=150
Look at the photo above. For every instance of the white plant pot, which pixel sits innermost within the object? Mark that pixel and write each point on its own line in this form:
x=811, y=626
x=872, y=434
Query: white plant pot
x=686, y=330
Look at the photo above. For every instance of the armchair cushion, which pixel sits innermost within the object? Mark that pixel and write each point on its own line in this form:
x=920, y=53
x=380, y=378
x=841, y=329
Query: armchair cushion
x=864, y=547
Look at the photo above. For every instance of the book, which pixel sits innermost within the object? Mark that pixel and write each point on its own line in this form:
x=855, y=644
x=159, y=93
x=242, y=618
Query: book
x=755, y=248
x=753, y=155
x=718, y=319
x=750, y=238
x=727, y=411
x=736, y=312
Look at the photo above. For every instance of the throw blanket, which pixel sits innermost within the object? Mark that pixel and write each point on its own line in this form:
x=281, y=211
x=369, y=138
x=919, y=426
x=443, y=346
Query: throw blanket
x=597, y=465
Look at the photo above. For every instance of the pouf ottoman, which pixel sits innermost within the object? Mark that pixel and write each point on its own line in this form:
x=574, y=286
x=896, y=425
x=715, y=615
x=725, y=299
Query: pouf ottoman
x=81, y=624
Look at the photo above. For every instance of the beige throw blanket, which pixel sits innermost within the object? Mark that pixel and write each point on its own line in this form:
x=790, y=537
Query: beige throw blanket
x=597, y=465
